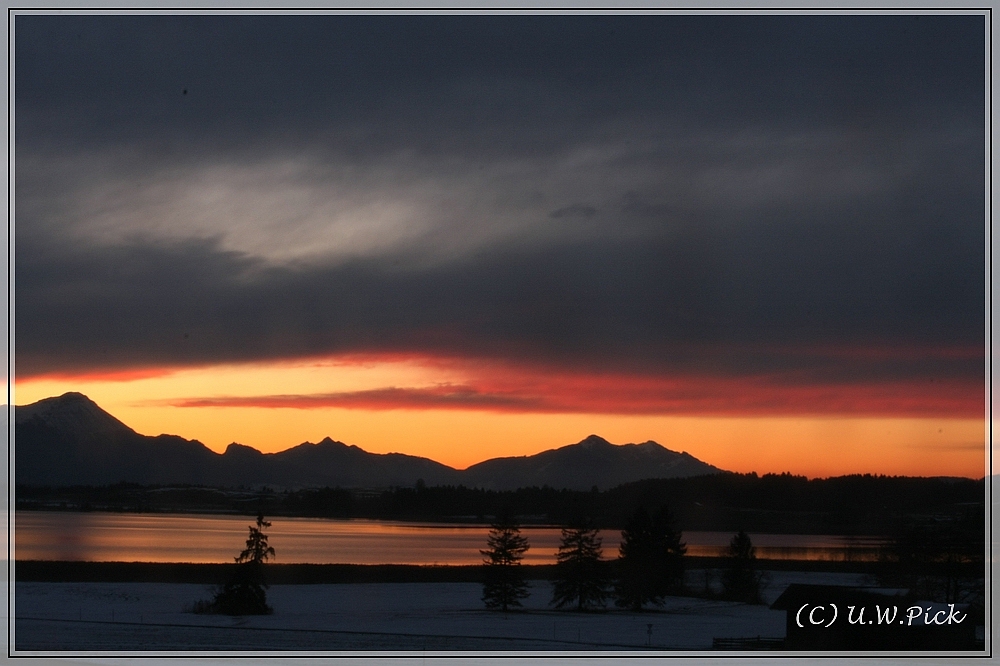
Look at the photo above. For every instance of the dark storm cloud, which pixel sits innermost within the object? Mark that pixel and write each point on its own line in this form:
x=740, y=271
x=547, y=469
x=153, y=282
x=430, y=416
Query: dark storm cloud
x=484, y=83
x=575, y=210
x=686, y=304
x=726, y=195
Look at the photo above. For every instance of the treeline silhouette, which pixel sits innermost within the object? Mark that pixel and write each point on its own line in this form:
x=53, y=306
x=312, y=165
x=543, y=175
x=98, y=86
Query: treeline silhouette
x=649, y=566
x=938, y=561
x=778, y=503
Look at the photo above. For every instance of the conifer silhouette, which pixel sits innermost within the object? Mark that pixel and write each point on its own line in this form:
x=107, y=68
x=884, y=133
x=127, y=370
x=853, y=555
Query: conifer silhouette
x=650, y=560
x=503, y=585
x=741, y=581
x=244, y=593
x=581, y=575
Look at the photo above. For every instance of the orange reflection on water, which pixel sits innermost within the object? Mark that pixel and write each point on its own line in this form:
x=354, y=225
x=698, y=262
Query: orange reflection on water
x=116, y=537
x=100, y=537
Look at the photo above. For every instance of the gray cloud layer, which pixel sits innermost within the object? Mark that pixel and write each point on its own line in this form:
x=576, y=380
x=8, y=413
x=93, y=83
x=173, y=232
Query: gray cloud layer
x=595, y=191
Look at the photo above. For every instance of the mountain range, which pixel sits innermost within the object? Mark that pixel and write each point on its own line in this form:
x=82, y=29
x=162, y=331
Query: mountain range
x=70, y=440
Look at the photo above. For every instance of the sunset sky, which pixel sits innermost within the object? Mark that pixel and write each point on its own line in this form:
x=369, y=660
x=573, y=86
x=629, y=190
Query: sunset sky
x=757, y=239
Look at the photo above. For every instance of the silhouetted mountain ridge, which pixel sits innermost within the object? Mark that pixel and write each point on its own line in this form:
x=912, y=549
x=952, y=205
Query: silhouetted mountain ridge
x=591, y=462
x=70, y=440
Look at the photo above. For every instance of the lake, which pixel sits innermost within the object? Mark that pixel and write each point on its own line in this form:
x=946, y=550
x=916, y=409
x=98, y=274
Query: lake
x=132, y=537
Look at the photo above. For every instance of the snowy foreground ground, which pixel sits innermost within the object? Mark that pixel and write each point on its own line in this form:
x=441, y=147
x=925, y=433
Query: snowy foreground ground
x=107, y=617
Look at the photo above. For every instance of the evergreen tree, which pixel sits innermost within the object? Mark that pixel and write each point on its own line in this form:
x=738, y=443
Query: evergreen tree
x=504, y=586
x=244, y=593
x=257, y=551
x=581, y=576
x=741, y=580
x=650, y=560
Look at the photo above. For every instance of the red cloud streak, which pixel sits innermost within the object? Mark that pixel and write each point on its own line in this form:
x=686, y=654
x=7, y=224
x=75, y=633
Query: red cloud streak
x=601, y=394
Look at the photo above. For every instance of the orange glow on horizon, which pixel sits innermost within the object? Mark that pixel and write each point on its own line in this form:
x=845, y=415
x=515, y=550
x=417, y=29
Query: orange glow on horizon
x=927, y=430
x=399, y=381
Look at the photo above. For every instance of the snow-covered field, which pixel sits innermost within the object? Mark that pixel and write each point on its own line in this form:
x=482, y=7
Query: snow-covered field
x=107, y=617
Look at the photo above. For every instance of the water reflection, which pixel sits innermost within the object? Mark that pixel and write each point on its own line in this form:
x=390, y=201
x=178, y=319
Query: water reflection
x=44, y=535
x=790, y=546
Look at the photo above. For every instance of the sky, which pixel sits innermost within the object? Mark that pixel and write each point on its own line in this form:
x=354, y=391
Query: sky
x=757, y=239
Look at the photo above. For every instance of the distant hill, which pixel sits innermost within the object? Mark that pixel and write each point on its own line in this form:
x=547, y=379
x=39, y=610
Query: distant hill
x=69, y=440
x=592, y=462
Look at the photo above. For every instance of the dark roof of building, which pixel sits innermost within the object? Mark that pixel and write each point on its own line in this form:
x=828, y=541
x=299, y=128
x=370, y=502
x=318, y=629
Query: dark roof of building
x=798, y=593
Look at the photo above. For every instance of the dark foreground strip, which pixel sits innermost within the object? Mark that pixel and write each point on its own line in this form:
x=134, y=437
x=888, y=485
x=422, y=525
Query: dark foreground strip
x=257, y=630
x=50, y=571
x=46, y=571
